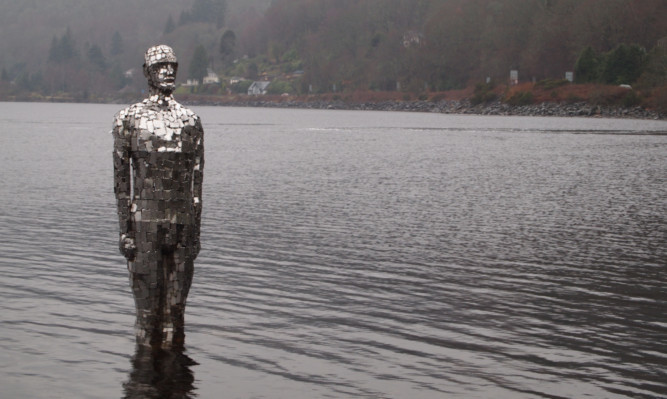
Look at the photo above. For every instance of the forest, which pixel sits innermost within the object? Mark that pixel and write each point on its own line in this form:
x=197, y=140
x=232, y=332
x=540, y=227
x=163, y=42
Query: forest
x=93, y=51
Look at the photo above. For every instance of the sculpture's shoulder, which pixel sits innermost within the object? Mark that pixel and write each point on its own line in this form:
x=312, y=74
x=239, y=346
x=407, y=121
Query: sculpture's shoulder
x=124, y=118
x=184, y=112
x=188, y=116
x=135, y=110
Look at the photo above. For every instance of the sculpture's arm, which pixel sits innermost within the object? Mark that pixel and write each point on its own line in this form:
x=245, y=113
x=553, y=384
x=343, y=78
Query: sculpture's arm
x=123, y=185
x=198, y=178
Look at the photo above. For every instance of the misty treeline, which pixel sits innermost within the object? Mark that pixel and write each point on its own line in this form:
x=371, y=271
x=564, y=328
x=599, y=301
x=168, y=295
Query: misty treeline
x=408, y=45
x=93, y=49
x=446, y=44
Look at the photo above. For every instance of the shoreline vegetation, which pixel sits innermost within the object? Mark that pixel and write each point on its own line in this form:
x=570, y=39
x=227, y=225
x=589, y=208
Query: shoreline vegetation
x=528, y=99
x=490, y=57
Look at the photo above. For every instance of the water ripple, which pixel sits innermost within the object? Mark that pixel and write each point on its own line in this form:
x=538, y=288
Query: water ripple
x=354, y=255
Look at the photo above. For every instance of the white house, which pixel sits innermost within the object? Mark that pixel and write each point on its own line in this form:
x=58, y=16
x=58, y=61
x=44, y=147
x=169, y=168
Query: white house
x=412, y=38
x=235, y=79
x=211, y=77
x=191, y=83
x=258, y=88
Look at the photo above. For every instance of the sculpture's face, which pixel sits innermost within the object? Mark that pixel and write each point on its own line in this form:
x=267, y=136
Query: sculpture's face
x=162, y=76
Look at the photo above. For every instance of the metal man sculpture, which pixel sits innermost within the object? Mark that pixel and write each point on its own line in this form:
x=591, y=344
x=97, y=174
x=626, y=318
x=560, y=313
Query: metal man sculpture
x=158, y=171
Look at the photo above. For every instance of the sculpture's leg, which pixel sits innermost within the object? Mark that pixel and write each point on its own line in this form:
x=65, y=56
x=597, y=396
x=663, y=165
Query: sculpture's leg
x=145, y=282
x=178, y=282
x=160, y=277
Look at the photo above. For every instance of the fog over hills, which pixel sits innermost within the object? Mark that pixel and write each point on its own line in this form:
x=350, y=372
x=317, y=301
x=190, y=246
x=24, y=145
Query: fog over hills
x=83, y=49
x=27, y=27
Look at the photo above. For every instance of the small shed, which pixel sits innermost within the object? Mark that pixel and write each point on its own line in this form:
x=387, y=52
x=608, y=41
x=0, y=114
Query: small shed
x=258, y=88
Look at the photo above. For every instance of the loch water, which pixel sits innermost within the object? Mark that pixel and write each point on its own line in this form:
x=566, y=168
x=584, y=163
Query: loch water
x=348, y=255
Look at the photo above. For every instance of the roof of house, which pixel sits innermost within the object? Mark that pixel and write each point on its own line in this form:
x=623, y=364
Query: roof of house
x=260, y=84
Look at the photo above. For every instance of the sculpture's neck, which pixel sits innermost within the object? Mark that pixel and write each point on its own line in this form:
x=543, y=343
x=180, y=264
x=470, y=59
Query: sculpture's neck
x=160, y=97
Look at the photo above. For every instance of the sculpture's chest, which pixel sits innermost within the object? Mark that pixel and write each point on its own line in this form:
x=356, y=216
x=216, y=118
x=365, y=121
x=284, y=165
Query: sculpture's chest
x=161, y=131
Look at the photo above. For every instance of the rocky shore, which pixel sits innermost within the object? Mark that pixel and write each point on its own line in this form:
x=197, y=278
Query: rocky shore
x=580, y=109
x=464, y=106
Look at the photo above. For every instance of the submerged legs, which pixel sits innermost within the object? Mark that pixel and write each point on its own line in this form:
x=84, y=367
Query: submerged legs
x=160, y=280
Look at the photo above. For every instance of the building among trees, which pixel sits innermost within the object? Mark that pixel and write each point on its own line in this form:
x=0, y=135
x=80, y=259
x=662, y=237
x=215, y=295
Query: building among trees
x=258, y=88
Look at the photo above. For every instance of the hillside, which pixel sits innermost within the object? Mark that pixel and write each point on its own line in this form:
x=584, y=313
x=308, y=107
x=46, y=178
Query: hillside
x=324, y=46
x=27, y=28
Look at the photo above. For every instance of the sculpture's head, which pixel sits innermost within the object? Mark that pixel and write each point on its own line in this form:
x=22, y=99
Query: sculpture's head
x=160, y=68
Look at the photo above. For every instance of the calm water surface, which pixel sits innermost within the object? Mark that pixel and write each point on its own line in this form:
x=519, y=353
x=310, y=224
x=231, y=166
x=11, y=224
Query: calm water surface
x=349, y=255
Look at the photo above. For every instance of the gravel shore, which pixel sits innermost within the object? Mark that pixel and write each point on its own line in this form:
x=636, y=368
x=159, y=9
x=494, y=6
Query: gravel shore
x=580, y=109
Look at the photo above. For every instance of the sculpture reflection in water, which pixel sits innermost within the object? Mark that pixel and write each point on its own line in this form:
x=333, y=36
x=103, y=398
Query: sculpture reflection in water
x=158, y=172
x=158, y=373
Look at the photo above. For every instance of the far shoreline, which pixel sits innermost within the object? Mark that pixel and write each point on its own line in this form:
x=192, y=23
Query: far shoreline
x=562, y=100
x=449, y=107
x=548, y=98
x=453, y=107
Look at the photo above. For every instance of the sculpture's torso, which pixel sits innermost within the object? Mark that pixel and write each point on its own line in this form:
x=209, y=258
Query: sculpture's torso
x=162, y=141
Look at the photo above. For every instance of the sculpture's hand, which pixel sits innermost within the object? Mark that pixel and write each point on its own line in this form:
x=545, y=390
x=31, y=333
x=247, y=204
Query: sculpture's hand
x=127, y=247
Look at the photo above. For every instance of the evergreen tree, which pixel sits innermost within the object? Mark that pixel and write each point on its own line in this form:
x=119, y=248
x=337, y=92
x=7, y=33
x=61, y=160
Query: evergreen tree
x=169, y=26
x=198, y=64
x=63, y=49
x=587, y=68
x=68, y=46
x=228, y=45
x=4, y=77
x=54, y=50
x=624, y=64
x=655, y=71
x=116, y=44
x=96, y=57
